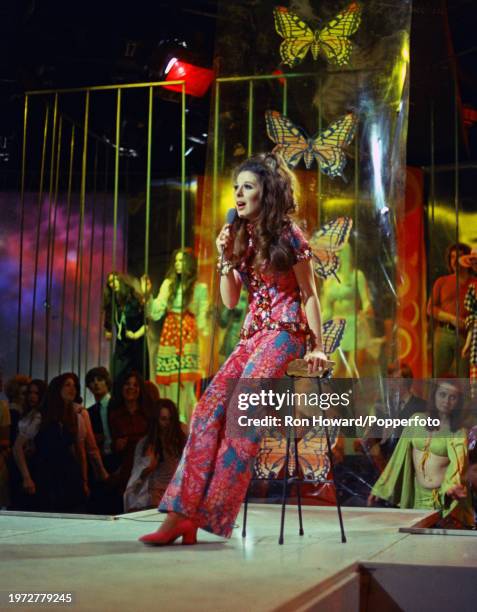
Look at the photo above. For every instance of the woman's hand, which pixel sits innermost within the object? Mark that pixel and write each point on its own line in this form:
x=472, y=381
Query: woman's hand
x=29, y=486
x=316, y=359
x=131, y=335
x=224, y=242
x=457, y=491
x=108, y=335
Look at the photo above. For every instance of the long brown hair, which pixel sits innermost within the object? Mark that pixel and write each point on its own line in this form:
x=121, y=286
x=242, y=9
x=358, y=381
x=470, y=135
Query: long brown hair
x=186, y=279
x=173, y=439
x=55, y=410
x=278, y=202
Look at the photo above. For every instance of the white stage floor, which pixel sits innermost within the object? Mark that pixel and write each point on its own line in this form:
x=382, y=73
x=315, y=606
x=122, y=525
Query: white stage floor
x=105, y=567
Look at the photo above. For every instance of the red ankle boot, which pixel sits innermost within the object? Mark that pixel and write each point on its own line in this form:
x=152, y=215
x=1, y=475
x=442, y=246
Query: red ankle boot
x=184, y=527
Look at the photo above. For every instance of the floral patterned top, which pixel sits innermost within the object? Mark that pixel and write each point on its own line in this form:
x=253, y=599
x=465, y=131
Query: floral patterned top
x=274, y=297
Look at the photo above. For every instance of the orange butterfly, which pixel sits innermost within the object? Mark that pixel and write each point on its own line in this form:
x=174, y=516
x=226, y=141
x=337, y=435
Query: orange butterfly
x=327, y=148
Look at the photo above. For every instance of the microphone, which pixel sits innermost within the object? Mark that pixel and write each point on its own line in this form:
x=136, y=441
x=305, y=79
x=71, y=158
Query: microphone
x=229, y=219
x=231, y=216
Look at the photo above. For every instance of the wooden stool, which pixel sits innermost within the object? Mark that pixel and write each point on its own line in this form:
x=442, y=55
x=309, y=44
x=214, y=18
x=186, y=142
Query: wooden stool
x=299, y=369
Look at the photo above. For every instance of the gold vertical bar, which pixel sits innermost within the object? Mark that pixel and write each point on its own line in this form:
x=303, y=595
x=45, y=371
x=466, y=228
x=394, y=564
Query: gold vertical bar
x=319, y=180
x=215, y=170
x=147, y=228
x=148, y=182
x=456, y=208
x=55, y=198
x=48, y=254
x=183, y=215
x=22, y=229
x=432, y=197
x=115, y=213
x=55, y=213
x=250, y=119
x=183, y=165
x=285, y=96
x=215, y=150
x=91, y=253
x=37, y=245
x=84, y=163
x=67, y=237
x=103, y=249
x=116, y=177
x=355, y=254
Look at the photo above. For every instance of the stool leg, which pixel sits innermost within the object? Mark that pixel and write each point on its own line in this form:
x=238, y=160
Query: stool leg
x=245, y=508
x=298, y=490
x=330, y=457
x=284, y=490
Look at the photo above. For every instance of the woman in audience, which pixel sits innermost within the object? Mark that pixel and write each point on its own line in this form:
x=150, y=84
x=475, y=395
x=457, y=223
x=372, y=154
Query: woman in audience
x=130, y=407
x=156, y=458
x=15, y=390
x=123, y=311
x=63, y=439
x=183, y=304
x=428, y=467
x=24, y=449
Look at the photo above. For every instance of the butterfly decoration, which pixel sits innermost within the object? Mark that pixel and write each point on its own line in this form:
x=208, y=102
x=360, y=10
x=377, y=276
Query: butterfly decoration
x=333, y=331
x=314, y=464
x=331, y=40
x=312, y=447
x=326, y=242
x=327, y=148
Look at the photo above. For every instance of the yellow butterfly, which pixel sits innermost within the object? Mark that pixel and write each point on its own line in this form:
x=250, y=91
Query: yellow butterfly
x=332, y=40
x=327, y=148
x=326, y=243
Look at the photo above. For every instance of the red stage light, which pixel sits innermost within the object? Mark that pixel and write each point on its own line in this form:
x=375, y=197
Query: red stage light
x=279, y=72
x=197, y=79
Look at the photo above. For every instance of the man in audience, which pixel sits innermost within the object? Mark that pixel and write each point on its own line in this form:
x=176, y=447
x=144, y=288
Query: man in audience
x=446, y=307
x=98, y=381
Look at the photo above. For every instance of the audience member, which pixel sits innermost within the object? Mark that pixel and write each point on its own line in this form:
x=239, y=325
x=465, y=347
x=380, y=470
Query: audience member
x=98, y=381
x=24, y=448
x=429, y=465
x=446, y=307
x=130, y=406
x=4, y=454
x=63, y=439
x=156, y=457
x=15, y=390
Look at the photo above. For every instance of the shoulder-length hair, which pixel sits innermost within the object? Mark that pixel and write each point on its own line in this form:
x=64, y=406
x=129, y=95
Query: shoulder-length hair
x=456, y=417
x=273, y=251
x=187, y=278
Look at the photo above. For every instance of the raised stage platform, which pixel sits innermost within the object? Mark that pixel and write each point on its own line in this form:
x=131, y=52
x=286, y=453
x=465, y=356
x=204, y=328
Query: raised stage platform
x=379, y=568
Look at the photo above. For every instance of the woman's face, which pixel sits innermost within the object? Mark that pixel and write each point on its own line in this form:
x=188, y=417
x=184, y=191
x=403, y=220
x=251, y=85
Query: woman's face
x=179, y=263
x=164, y=418
x=447, y=398
x=113, y=283
x=33, y=396
x=68, y=391
x=248, y=195
x=131, y=389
